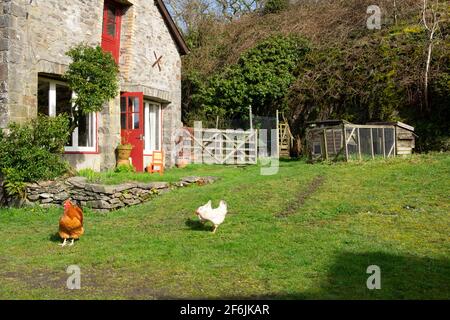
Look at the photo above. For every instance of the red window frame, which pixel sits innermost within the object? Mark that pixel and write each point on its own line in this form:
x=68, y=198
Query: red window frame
x=111, y=43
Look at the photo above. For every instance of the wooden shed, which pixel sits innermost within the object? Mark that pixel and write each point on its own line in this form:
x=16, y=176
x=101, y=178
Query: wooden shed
x=334, y=139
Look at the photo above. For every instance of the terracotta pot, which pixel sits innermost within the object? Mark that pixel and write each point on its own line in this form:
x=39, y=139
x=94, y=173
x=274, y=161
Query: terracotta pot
x=123, y=154
x=182, y=163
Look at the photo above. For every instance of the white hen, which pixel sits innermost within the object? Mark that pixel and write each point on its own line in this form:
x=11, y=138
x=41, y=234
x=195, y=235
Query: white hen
x=215, y=216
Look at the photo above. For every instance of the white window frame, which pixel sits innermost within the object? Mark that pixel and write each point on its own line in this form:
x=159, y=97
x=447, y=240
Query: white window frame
x=52, y=113
x=147, y=148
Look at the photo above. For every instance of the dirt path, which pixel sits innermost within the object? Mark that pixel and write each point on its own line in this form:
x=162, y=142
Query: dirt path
x=301, y=197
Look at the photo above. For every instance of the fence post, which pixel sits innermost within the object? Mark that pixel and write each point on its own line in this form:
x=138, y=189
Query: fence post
x=198, y=136
x=334, y=141
x=359, y=145
x=371, y=143
x=384, y=144
x=278, y=136
x=345, y=141
x=325, y=144
x=395, y=141
x=251, y=117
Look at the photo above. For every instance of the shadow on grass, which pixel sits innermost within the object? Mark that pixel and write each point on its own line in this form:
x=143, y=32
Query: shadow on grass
x=196, y=225
x=54, y=237
x=402, y=277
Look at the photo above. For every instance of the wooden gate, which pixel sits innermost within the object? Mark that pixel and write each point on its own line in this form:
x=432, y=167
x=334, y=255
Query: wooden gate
x=214, y=146
x=286, y=139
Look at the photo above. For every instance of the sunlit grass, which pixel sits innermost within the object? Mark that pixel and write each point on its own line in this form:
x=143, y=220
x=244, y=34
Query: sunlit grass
x=393, y=213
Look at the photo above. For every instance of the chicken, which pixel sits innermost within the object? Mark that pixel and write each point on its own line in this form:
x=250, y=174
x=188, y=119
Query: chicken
x=215, y=216
x=71, y=223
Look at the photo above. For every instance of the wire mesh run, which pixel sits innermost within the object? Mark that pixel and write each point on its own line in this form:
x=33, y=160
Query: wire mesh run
x=351, y=142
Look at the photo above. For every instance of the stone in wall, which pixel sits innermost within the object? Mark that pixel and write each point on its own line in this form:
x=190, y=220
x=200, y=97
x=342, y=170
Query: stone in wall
x=99, y=197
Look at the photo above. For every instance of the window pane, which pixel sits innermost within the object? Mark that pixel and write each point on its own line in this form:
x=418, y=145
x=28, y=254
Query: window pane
x=136, y=122
x=123, y=104
x=153, y=133
x=123, y=121
x=133, y=104
x=157, y=128
x=84, y=132
x=70, y=142
x=43, y=96
x=111, y=21
x=63, y=99
x=136, y=105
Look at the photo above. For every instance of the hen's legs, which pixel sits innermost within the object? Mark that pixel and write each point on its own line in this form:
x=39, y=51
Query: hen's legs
x=71, y=244
x=215, y=228
x=64, y=243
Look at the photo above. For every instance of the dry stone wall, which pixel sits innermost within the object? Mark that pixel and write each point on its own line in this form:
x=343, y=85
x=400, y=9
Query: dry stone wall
x=100, y=197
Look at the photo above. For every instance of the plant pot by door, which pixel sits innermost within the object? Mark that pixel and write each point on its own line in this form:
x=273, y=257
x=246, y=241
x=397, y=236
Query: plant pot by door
x=181, y=163
x=123, y=154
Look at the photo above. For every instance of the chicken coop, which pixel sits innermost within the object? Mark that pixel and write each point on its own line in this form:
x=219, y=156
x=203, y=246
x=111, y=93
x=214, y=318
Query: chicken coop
x=342, y=140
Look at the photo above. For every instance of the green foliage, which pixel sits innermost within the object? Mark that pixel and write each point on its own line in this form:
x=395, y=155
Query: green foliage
x=88, y=173
x=123, y=168
x=93, y=75
x=275, y=6
x=14, y=184
x=261, y=78
x=349, y=73
x=32, y=151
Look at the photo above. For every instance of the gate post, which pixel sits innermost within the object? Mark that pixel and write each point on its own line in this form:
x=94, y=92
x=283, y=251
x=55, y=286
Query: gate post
x=198, y=142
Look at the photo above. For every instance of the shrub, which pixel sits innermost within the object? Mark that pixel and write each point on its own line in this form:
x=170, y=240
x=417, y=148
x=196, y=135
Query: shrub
x=93, y=75
x=14, y=184
x=275, y=6
x=261, y=78
x=123, y=168
x=32, y=151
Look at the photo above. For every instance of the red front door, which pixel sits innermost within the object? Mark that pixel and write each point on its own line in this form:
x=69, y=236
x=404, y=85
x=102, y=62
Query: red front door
x=132, y=125
x=111, y=29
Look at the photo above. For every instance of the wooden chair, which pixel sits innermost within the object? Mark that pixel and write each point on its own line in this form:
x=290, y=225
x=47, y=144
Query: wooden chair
x=157, y=161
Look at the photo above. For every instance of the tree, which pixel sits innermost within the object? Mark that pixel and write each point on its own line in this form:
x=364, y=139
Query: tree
x=189, y=13
x=261, y=78
x=231, y=9
x=431, y=24
x=93, y=76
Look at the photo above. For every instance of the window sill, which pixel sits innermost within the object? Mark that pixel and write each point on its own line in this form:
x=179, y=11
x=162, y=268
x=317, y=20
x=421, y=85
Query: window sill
x=81, y=151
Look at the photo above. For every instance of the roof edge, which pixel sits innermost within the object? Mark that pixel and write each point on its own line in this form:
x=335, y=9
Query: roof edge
x=175, y=32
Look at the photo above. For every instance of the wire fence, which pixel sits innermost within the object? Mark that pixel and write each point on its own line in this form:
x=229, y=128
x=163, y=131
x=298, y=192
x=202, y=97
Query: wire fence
x=351, y=142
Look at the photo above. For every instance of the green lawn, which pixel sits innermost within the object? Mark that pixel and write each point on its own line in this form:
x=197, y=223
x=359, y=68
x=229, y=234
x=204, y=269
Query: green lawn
x=309, y=231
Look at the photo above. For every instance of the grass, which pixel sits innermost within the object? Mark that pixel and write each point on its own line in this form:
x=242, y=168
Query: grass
x=172, y=175
x=308, y=232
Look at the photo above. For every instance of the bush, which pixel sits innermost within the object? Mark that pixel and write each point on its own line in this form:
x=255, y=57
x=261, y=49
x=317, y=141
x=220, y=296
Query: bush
x=33, y=151
x=275, y=6
x=93, y=75
x=261, y=78
x=123, y=168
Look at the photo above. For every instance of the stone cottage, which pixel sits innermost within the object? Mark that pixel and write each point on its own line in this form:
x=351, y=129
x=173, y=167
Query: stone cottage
x=146, y=44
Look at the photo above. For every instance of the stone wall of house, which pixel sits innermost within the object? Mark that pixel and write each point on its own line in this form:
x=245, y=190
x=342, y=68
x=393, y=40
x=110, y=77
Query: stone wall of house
x=99, y=197
x=34, y=37
x=144, y=36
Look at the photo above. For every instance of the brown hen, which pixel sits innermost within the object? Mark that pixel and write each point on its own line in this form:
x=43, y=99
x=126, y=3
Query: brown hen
x=71, y=223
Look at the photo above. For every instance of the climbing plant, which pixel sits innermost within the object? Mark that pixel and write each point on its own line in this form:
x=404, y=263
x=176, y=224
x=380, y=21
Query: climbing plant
x=93, y=76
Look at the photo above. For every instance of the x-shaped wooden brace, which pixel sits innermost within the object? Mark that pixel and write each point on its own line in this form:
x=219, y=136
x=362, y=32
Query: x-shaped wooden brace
x=158, y=61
